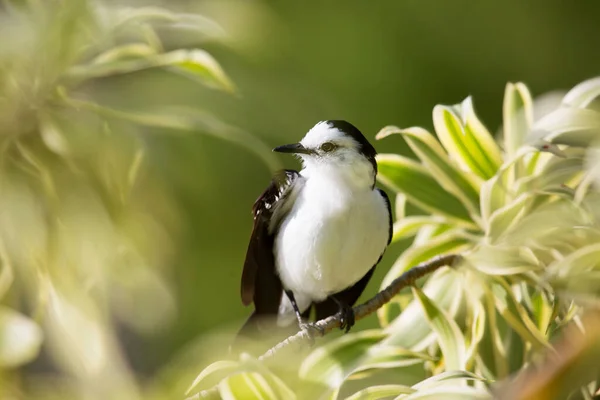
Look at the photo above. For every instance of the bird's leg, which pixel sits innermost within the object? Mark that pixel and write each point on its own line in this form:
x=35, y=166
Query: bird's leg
x=290, y=296
x=347, y=319
x=306, y=327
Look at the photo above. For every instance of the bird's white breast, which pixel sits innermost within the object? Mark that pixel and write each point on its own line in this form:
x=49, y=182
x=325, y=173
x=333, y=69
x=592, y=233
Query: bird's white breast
x=333, y=235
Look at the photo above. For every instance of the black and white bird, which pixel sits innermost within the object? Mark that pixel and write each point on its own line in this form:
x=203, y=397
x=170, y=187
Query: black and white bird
x=319, y=233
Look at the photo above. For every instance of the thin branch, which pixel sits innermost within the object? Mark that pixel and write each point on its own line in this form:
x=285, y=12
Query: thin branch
x=406, y=279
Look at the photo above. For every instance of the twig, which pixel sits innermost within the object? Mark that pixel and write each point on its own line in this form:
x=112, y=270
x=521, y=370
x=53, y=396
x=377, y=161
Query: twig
x=406, y=279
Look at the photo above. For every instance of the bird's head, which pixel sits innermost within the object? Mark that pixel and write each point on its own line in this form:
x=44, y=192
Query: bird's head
x=335, y=146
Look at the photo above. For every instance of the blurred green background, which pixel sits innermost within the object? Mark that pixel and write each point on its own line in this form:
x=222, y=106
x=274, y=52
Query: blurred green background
x=297, y=63
x=371, y=63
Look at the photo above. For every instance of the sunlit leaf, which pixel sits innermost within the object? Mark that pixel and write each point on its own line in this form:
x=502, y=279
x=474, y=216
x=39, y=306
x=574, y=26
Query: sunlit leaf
x=516, y=316
x=444, y=377
x=195, y=64
x=20, y=338
x=450, y=338
x=448, y=242
x=583, y=94
x=433, y=156
x=333, y=362
x=247, y=385
x=448, y=393
x=411, y=329
x=385, y=356
x=409, y=226
x=502, y=219
x=418, y=185
x=215, y=372
x=577, y=127
x=517, y=114
x=503, y=260
x=380, y=392
x=467, y=140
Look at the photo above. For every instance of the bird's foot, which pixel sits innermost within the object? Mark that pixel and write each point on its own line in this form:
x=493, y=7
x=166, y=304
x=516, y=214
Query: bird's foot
x=312, y=330
x=347, y=318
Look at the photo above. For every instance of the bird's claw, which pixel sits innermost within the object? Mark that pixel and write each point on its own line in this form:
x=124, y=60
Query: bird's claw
x=312, y=330
x=347, y=318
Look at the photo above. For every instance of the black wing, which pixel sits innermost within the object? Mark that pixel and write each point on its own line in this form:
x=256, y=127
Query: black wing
x=351, y=294
x=260, y=282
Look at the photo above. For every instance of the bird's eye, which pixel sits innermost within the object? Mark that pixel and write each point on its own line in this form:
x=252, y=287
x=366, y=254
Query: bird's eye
x=327, y=146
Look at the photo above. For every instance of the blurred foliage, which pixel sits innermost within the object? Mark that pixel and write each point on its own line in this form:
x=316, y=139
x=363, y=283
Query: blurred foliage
x=122, y=235
x=523, y=211
x=86, y=232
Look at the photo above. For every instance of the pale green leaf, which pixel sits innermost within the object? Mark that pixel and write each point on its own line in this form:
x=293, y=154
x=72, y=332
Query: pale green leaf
x=380, y=392
x=503, y=260
x=196, y=64
x=20, y=338
x=246, y=385
x=502, y=219
x=583, y=94
x=448, y=242
x=385, y=356
x=444, y=377
x=450, y=338
x=433, y=156
x=125, y=52
x=418, y=185
x=215, y=372
x=576, y=127
x=480, y=141
x=467, y=140
x=400, y=205
x=409, y=226
x=517, y=114
x=411, y=329
x=333, y=362
x=493, y=197
x=448, y=393
x=516, y=316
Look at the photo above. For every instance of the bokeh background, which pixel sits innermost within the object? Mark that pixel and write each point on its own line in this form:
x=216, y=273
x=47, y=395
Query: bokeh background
x=294, y=64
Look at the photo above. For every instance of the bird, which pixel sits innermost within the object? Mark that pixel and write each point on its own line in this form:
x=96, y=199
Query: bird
x=318, y=233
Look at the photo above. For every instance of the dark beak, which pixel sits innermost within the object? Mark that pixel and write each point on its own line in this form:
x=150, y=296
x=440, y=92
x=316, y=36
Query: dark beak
x=295, y=148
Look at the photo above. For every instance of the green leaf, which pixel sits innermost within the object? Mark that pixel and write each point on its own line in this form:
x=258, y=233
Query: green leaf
x=450, y=338
x=583, y=94
x=517, y=116
x=20, y=338
x=435, y=159
x=380, y=392
x=246, y=385
x=416, y=183
x=468, y=140
x=333, y=362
